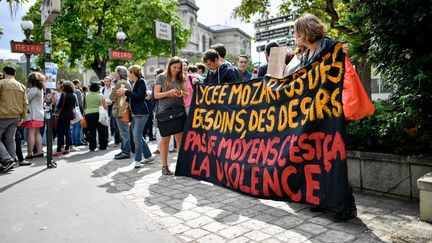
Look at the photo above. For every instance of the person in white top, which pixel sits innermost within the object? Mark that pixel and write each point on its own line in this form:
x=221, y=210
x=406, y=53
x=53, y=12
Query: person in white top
x=107, y=89
x=106, y=92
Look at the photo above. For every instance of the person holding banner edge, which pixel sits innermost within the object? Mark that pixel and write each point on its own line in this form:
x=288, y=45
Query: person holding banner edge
x=310, y=34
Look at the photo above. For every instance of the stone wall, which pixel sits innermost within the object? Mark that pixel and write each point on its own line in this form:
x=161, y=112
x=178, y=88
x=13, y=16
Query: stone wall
x=387, y=174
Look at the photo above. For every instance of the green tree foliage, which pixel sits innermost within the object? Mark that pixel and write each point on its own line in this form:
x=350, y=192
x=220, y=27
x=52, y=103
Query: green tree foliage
x=20, y=72
x=67, y=73
x=402, y=51
x=86, y=30
x=344, y=22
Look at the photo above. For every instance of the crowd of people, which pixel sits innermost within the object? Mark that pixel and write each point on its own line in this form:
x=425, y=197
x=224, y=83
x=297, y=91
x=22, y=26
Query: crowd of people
x=127, y=92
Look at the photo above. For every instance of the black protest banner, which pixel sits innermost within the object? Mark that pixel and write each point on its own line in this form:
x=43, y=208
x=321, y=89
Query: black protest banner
x=279, y=139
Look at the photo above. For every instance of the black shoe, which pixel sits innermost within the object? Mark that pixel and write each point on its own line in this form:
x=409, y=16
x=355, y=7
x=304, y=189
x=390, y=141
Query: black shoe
x=345, y=215
x=7, y=165
x=152, y=139
x=122, y=156
x=316, y=209
x=118, y=154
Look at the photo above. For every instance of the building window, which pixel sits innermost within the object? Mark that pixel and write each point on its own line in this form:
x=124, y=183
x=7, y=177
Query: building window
x=210, y=42
x=203, y=43
x=191, y=24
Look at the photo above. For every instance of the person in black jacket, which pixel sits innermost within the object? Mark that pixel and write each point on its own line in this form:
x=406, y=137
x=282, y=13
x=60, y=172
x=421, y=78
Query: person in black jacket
x=219, y=72
x=140, y=113
x=65, y=108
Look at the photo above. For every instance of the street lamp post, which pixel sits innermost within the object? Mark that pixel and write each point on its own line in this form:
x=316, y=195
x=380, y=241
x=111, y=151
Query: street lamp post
x=120, y=36
x=27, y=26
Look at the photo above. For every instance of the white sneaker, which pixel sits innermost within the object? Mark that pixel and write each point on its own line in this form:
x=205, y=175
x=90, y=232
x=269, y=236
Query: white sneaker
x=148, y=160
x=137, y=164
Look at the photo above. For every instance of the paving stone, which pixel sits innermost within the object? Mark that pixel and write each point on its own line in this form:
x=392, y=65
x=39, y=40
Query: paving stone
x=367, y=238
x=272, y=230
x=211, y=238
x=293, y=236
x=195, y=233
x=277, y=212
x=213, y=212
x=335, y=236
x=170, y=221
x=240, y=239
x=233, y=232
x=177, y=229
x=320, y=220
x=214, y=227
x=233, y=219
x=185, y=238
x=312, y=228
x=257, y=235
x=200, y=221
x=187, y=215
x=367, y=216
x=348, y=227
x=272, y=240
x=260, y=207
x=229, y=200
x=254, y=224
x=288, y=222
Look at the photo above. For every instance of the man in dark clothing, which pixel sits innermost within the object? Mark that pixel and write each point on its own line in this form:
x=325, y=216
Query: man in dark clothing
x=219, y=72
x=242, y=64
x=221, y=50
x=262, y=71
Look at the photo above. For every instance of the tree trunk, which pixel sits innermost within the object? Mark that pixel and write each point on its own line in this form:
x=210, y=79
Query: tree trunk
x=99, y=67
x=364, y=71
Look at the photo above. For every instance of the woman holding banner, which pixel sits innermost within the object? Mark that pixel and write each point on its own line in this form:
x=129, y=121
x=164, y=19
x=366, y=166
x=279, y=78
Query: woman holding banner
x=169, y=90
x=311, y=36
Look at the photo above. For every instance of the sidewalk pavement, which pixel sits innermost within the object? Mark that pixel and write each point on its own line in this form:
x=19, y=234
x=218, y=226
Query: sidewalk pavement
x=116, y=203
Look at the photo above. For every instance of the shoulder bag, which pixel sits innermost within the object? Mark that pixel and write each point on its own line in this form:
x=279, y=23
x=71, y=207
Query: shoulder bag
x=171, y=121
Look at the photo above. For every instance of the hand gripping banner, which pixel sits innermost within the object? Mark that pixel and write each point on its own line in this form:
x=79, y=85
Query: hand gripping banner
x=269, y=138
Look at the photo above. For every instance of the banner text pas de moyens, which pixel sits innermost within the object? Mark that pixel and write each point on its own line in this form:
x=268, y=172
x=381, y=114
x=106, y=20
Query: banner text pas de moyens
x=279, y=139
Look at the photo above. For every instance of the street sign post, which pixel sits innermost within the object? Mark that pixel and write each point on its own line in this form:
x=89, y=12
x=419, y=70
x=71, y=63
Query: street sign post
x=274, y=33
x=274, y=21
x=162, y=30
x=165, y=31
x=286, y=42
x=28, y=48
x=50, y=9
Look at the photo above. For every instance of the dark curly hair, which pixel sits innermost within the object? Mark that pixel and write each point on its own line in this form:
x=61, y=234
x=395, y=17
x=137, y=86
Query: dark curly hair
x=36, y=79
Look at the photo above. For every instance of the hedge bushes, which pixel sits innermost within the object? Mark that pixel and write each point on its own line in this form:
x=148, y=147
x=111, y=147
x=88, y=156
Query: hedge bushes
x=388, y=131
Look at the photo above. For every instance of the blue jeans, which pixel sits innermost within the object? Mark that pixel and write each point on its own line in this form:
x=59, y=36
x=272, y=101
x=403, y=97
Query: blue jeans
x=76, y=133
x=124, y=135
x=141, y=147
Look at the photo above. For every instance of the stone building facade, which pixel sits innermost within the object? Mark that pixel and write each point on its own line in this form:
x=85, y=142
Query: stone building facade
x=235, y=40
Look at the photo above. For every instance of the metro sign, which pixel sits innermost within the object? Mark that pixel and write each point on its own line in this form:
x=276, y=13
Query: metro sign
x=28, y=48
x=121, y=55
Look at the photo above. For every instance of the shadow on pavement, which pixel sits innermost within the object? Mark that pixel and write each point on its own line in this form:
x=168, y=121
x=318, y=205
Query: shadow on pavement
x=176, y=194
